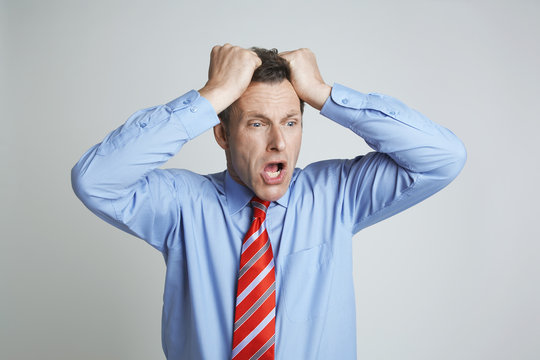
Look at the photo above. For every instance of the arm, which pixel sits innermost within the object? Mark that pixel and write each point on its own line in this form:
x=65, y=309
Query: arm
x=414, y=157
x=118, y=179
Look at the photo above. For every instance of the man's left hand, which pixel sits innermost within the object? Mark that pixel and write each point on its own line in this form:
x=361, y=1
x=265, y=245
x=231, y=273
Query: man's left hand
x=306, y=78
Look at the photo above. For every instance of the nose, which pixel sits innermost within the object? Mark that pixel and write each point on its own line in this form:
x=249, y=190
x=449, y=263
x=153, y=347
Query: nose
x=276, y=140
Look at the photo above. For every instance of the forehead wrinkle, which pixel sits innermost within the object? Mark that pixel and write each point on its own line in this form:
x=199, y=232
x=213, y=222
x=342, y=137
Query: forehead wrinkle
x=257, y=114
x=262, y=100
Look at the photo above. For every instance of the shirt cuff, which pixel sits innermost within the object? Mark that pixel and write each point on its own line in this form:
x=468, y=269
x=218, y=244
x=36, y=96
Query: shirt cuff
x=343, y=103
x=340, y=100
x=194, y=112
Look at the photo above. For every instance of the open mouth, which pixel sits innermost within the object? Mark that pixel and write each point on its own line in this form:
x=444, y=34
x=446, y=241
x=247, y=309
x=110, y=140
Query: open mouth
x=274, y=173
x=273, y=170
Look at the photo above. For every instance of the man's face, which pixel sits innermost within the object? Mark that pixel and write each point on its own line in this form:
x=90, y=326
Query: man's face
x=263, y=138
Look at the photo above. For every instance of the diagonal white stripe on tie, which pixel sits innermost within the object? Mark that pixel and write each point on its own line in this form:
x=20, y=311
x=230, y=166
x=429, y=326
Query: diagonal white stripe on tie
x=254, y=333
x=255, y=282
x=254, y=237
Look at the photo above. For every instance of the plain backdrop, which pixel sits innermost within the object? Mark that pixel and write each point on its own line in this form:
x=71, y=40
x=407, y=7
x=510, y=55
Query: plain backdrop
x=456, y=277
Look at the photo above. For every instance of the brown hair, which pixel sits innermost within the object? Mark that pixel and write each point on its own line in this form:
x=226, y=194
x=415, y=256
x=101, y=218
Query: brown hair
x=274, y=69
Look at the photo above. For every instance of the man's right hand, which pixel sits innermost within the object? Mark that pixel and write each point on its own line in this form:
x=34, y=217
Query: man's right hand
x=229, y=75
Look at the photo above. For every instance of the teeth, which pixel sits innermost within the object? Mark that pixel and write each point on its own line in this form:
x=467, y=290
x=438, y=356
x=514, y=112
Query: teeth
x=273, y=174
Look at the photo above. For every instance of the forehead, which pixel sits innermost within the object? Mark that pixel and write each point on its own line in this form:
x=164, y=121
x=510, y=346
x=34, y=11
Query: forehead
x=270, y=99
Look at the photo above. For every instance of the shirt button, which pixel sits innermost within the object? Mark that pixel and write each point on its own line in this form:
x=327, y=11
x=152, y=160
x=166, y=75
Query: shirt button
x=193, y=109
x=187, y=101
x=143, y=125
x=345, y=101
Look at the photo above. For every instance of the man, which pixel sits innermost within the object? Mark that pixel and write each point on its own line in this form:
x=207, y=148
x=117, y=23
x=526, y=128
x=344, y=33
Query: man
x=303, y=220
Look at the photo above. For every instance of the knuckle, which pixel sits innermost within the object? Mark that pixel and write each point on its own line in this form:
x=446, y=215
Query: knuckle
x=238, y=50
x=245, y=54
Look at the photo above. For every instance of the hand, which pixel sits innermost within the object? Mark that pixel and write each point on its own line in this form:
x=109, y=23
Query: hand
x=306, y=78
x=229, y=75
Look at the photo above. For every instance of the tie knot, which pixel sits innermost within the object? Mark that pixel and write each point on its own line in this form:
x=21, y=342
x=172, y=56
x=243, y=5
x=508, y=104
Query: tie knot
x=259, y=207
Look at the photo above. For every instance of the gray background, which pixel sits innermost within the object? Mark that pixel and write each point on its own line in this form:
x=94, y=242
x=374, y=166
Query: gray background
x=455, y=277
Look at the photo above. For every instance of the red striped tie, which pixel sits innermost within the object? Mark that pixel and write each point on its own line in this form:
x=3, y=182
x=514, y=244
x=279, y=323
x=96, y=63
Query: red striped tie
x=254, y=320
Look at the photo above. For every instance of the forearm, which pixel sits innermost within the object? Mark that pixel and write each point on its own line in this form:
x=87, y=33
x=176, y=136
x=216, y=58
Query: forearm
x=413, y=141
x=111, y=169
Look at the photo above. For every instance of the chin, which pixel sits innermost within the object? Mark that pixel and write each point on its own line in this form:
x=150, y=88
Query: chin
x=271, y=194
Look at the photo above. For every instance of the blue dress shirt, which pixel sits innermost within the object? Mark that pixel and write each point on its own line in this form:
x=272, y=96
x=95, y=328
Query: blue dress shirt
x=198, y=221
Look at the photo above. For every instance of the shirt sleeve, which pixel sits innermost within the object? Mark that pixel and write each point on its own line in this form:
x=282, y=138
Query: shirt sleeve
x=413, y=159
x=119, y=180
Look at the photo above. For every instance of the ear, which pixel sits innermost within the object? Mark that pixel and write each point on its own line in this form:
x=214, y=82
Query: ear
x=221, y=136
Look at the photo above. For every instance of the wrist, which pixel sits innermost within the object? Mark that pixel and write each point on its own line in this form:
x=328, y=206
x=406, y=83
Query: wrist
x=215, y=97
x=319, y=96
x=221, y=96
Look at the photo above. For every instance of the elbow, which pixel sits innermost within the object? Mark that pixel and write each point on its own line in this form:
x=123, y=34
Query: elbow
x=79, y=184
x=459, y=154
x=83, y=179
x=455, y=161
x=86, y=187
x=90, y=193
x=92, y=187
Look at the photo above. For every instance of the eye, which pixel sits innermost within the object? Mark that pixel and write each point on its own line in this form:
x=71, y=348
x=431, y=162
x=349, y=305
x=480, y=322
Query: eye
x=291, y=123
x=255, y=124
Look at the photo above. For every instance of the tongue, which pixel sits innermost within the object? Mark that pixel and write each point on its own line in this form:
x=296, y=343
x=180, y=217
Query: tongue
x=271, y=168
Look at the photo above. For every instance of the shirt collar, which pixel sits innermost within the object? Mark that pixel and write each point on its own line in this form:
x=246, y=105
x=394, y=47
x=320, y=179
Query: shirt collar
x=239, y=195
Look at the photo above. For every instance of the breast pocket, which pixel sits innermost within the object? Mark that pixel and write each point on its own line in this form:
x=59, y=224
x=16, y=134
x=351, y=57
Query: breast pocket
x=306, y=283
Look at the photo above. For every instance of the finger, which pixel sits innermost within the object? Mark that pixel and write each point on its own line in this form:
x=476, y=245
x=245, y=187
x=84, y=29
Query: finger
x=287, y=54
x=253, y=56
x=290, y=56
x=215, y=49
x=258, y=61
